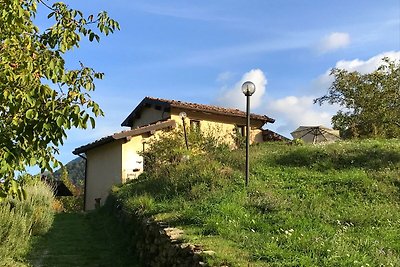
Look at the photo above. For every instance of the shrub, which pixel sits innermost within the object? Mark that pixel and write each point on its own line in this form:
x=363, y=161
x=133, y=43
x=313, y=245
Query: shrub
x=169, y=151
x=298, y=142
x=19, y=219
x=38, y=206
x=71, y=203
x=14, y=232
x=172, y=170
x=140, y=204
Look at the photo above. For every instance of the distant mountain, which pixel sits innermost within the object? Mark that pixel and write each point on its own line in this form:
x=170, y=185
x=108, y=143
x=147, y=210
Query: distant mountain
x=76, y=171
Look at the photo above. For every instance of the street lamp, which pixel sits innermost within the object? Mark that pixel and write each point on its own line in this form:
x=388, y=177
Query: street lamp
x=248, y=89
x=183, y=116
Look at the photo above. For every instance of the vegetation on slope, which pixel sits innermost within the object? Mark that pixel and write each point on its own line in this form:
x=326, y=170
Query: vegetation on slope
x=75, y=169
x=22, y=219
x=325, y=205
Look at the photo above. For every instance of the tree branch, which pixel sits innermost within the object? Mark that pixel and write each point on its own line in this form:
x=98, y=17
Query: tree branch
x=46, y=5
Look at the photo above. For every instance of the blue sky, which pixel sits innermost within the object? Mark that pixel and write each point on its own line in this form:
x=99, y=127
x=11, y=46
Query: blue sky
x=201, y=51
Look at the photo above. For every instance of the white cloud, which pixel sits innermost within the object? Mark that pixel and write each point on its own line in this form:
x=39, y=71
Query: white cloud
x=334, y=41
x=322, y=83
x=292, y=111
x=233, y=96
x=369, y=65
x=182, y=12
x=224, y=76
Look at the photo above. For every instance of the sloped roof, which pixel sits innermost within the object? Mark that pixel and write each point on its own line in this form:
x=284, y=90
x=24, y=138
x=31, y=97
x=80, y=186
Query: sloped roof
x=125, y=134
x=191, y=106
x=269, y=135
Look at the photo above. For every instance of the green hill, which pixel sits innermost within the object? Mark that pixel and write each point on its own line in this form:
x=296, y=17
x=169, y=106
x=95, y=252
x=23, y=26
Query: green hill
x=323, y=205
x=76, y=171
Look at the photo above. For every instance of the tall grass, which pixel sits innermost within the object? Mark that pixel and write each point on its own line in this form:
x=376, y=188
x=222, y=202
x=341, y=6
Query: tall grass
x=325, y=205
x=14, y=231
x=20, y=219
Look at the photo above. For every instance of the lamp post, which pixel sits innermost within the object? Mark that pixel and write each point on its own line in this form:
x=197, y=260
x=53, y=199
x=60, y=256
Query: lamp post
x=248, y=89
x=183, y=116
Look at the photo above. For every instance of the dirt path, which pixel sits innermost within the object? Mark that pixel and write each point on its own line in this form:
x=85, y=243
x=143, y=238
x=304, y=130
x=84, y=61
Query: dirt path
x=92, y=240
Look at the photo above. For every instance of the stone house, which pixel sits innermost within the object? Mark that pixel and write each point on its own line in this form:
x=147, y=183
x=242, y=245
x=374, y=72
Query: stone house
x=114, y=159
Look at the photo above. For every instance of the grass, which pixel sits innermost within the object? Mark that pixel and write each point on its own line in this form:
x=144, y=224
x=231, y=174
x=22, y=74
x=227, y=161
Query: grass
x=324, y=205
x=78, y=239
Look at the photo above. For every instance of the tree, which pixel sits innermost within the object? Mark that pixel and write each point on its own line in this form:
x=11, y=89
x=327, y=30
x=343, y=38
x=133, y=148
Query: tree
x=40, y=98
x=370, y=102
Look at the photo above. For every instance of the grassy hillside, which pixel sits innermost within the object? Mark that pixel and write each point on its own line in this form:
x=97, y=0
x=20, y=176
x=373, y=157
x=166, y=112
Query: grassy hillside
x=331, y=205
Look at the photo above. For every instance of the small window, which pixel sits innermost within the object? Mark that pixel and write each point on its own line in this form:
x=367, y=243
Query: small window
x=240, y=130
x=195, y=125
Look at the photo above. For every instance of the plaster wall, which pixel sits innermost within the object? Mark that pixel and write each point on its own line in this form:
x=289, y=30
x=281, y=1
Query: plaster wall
x=103, y=171
x=132, y=163
x=220, y=126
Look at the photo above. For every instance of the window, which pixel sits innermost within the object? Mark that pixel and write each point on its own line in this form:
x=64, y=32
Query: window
x=240, y=130
x=195, y=125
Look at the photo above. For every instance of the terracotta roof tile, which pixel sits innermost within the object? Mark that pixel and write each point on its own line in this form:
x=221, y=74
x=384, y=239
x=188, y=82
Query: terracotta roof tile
x=194, y=106
x=202, y=107
x=124, y=134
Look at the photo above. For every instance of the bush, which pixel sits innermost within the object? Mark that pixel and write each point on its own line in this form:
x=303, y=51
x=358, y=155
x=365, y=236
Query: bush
x=38, y=207
x=170, y=150
x=14, y=232
x=172, y=170
x=71, y=203
x=20, y=219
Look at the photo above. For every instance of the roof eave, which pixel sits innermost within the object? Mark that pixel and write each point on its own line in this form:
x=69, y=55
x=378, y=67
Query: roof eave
x=89, y=146
x=125, y=134
x=128, y=122
x=252, y=116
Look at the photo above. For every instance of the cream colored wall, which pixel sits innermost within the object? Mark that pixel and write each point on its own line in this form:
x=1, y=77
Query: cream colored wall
x=107, y=166
x=103, y=171
x=223, y=131
x=130, y=152
x=150, y=115
x=220, y=126
x=256, y=136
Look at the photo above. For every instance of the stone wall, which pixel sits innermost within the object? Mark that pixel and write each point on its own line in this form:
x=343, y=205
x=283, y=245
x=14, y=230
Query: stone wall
x=157, y=244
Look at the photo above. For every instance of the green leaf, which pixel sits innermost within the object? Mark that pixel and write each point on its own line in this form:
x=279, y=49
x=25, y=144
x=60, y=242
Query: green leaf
x=32, y=64
x=46, y=126
x=91, y=36
x=30, y=114
x=14, y=186
x=88, y=86
x=92, y=122
x=60, y=121
x=76, y=109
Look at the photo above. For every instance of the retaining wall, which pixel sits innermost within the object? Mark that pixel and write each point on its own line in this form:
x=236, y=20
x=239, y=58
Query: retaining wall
x=157, y=244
